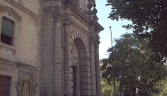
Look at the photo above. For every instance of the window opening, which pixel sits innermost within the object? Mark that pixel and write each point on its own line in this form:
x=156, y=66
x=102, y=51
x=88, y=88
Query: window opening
x=74, y=80
x=7, y=31
x=5, y=82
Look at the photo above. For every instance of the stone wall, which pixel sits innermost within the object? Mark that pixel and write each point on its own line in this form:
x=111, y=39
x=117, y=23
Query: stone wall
x=48, y=34
x=21, y=60
x=24, y=49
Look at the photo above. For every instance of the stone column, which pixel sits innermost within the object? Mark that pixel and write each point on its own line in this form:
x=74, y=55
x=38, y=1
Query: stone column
x=57, y=54
x=97, y=66
x=51, y=48
x=92, y=63
x=67, y=62
x=47, y=54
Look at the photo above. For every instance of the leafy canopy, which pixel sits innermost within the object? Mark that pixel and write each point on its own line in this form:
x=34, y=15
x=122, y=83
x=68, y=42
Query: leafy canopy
x=148, y=20
x=106, y=89
x=140, y=66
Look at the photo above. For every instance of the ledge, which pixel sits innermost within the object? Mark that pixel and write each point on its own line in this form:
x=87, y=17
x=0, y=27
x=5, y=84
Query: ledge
x=8, y=47
x=17, y=64
x=23, y=8
x=83, y=16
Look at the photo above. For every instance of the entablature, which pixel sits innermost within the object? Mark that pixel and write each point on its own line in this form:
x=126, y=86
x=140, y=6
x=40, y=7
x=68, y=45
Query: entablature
x=81, y=18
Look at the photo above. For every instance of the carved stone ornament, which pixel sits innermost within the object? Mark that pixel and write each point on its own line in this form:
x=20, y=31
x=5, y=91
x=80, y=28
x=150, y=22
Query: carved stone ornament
x=25, y=85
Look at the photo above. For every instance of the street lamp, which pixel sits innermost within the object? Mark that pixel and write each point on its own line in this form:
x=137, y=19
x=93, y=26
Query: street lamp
x=113, y=65
x=121, y=93
x=119, y=75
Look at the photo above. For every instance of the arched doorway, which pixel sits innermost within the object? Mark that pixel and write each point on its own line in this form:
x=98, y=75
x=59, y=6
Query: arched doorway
x=80, y=69
x=75, y=70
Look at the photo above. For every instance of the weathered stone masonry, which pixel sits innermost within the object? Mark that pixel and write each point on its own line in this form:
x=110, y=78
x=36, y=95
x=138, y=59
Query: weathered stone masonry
x=55, y=48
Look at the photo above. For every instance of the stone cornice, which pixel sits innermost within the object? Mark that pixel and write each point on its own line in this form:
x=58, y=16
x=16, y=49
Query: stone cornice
x=77, y=22
x=79, y=27
x=11, y=11
x=80, y=15
x=17, y=64
x=69, y=20
x=77, y=12
x=52, y=5
x=97, y=27
x=35, y=16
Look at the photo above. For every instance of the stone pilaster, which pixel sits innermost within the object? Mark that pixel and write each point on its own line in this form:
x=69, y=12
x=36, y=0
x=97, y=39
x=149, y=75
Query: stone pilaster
x=67, y=65
x=51, y=48
x=47, y=54
x=92, y=62
x=57, y=54
x=85, y=76
x=97, y=66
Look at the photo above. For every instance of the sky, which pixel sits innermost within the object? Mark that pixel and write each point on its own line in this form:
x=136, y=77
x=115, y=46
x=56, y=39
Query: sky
x=105, y=35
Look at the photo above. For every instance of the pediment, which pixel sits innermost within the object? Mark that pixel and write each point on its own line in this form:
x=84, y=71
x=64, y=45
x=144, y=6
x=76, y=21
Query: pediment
x=10, y=11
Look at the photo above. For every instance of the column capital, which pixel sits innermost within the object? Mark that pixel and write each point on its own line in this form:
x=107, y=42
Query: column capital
x=67, y=22
x=57, y=17
x=91, y=37
x=97, y=40
x=67, y=19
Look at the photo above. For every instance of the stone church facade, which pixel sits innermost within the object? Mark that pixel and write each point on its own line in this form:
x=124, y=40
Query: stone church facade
x=49, y=48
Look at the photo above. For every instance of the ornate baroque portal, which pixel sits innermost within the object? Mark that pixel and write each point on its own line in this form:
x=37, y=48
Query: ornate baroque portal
x=70, y=48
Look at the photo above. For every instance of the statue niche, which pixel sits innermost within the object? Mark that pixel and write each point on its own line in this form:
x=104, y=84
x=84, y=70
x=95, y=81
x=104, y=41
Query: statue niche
x=25, y=91
x=25, y=84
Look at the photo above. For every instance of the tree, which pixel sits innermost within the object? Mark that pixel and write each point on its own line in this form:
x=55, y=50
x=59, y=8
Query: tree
x=106, y=89
x=163, y=86
x=140, y=66
x=148, y=20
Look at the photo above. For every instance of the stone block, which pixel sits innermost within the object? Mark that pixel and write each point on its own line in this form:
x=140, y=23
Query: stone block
x=85, y=69
x=85, y=80
x=85, y=86
x=86, y=92
x=85, y=74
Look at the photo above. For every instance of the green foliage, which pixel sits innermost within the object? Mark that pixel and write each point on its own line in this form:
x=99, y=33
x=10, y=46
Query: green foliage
x=108, y=88
x=148, y=20
x=135, y=60
x=162, y=86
